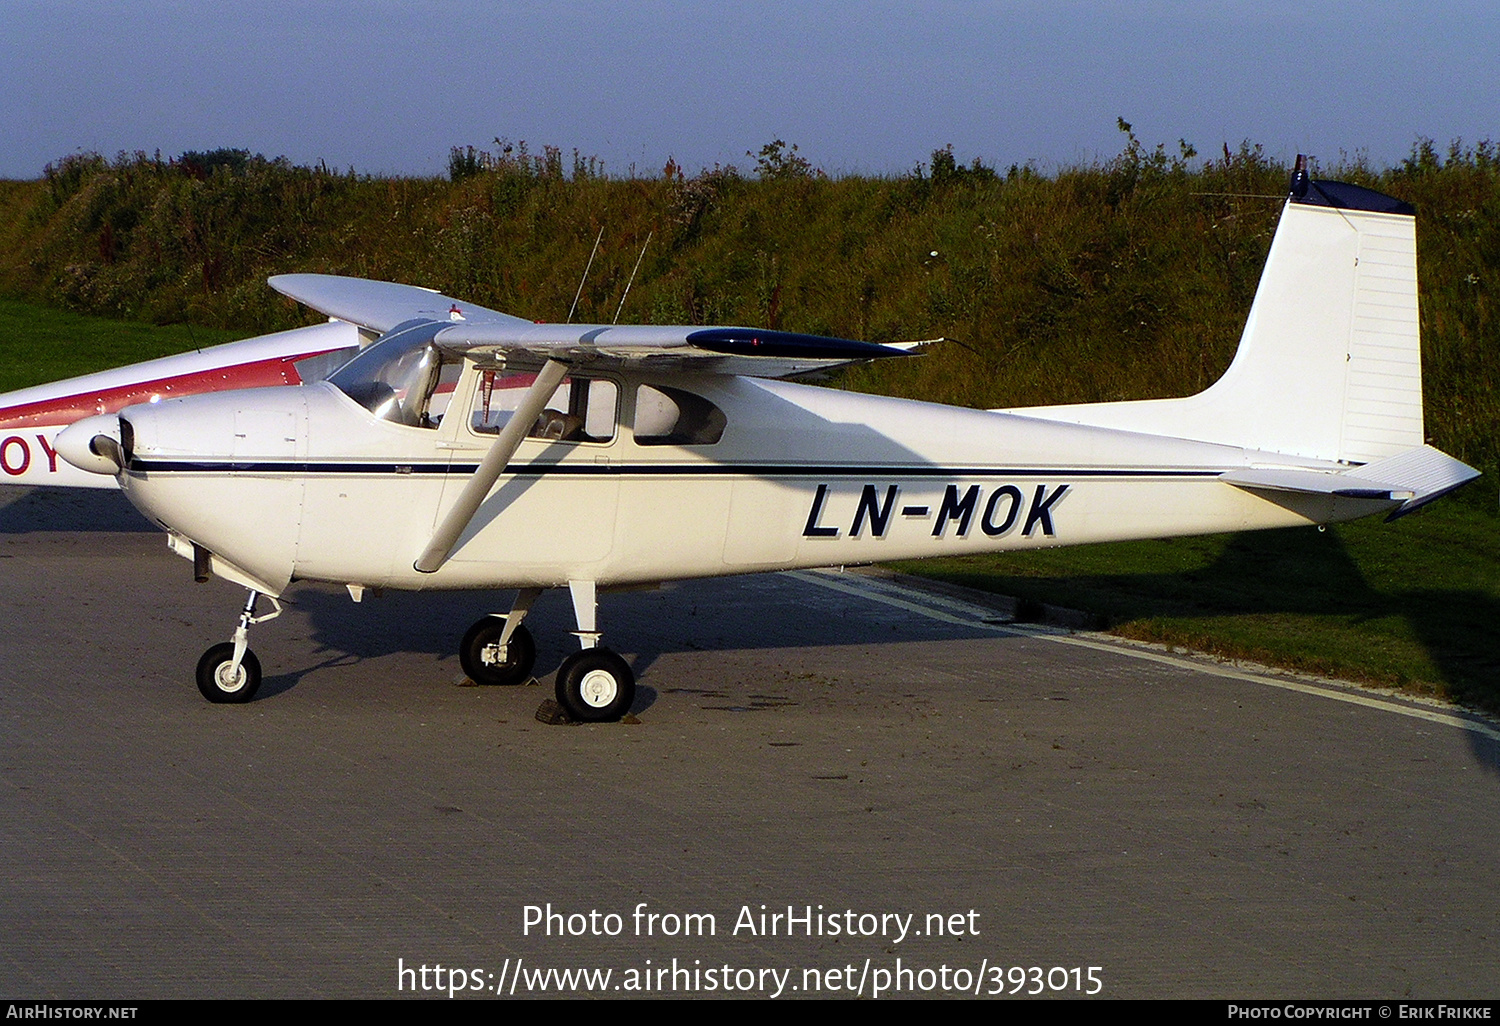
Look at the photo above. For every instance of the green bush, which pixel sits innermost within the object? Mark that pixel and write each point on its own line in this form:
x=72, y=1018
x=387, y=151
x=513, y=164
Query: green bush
x=1125, y=278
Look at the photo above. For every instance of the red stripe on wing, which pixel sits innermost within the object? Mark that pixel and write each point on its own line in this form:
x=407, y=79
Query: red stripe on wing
x=66, y=409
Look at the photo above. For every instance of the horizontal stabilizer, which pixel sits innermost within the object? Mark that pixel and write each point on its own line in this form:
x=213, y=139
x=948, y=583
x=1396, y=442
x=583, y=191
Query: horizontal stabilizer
x=1430, y=474
x=1413, y=478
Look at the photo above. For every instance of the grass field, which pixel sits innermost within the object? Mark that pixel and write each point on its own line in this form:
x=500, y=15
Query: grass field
x=1121, y=278
x=38, y=344
x=1413, y=604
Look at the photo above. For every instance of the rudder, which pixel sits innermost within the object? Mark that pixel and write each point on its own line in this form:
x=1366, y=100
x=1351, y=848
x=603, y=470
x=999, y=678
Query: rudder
x=1329, y=364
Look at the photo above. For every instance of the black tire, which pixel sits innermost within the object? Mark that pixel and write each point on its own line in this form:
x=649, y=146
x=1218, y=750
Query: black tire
x=595, y=686
x=217, y=686
x=520, y=653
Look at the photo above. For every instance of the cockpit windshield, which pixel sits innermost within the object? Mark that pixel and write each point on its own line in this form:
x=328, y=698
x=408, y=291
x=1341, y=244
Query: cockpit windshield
x=403, y=377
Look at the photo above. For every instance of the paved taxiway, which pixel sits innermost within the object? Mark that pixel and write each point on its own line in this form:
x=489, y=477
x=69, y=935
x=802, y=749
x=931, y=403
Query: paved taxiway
x=804, y=740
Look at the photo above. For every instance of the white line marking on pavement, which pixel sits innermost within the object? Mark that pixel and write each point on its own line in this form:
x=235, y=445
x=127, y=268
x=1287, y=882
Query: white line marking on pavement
x=964, y=614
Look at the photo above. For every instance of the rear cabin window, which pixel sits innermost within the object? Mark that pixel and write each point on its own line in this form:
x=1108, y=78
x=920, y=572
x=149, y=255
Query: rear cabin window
x=581, y=410
x=670, y=416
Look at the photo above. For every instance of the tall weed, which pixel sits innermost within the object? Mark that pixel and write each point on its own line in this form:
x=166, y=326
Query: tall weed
x=1126, y=278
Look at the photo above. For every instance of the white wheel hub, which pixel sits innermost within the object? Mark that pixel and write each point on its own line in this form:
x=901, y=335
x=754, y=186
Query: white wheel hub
x=228, y=682
x=598, y=688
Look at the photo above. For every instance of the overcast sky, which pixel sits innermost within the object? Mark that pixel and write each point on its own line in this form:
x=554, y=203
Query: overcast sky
x=389, y=87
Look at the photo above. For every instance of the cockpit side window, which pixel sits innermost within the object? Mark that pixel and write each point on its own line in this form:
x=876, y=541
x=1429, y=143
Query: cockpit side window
x=403, y=378
x=670, y=416
x=581, y=410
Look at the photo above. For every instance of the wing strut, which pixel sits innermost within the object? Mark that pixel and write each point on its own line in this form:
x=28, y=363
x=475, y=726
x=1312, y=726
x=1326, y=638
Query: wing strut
x=469, y=500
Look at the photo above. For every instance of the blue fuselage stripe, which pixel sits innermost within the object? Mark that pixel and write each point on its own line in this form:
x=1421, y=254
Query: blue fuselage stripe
x=822, y=470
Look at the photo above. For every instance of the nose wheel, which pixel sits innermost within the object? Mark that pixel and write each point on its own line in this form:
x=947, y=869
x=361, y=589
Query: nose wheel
x=229, y=672
x=222, y=681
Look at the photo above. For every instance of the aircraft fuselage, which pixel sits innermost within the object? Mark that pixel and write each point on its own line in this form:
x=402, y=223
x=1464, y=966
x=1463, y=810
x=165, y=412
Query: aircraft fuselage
x=304, y=483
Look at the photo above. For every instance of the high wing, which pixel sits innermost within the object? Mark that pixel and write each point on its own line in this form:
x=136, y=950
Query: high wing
x=494, y=339
x=753, y=352
x=380, y=305
x=491, y=337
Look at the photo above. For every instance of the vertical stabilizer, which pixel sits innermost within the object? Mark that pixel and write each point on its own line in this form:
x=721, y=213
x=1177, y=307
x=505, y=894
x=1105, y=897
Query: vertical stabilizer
x=1329, y=365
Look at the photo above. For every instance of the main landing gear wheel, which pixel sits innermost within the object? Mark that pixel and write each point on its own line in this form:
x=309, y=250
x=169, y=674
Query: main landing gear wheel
x=216, y=681
x=479, y=654
x=595, y=686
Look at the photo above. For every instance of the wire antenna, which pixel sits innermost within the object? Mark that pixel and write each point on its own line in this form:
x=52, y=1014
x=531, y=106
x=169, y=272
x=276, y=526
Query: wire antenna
x=632, y=276
x=585, y=277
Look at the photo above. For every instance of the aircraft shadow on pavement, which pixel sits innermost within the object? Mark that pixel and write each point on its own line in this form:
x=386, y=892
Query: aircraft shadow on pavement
x=753, y=612
x=1309, y=572
x=767, y=612
x=35, y=510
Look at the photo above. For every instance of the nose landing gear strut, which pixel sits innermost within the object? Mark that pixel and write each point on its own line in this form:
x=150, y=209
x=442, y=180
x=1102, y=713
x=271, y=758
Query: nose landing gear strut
x=229, y=671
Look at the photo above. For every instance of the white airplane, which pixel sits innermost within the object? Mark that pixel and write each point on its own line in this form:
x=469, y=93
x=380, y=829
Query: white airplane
x=470, y=449
x=31, y=418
